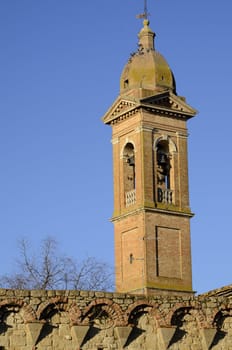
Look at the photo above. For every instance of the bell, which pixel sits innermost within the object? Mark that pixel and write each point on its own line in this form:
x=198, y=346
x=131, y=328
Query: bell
x=162, y=158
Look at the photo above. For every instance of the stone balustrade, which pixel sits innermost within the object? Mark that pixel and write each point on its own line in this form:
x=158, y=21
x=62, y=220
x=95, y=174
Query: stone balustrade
x=130, y=197
x=165, y=196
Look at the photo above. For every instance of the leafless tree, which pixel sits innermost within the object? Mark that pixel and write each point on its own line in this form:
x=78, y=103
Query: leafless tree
x=50, y=270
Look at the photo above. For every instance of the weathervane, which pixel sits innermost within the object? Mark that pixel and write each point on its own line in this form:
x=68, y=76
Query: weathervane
x=145, y=13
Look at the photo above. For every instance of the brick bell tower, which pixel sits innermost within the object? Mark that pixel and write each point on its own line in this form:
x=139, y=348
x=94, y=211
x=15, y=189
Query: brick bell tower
x=150, y=168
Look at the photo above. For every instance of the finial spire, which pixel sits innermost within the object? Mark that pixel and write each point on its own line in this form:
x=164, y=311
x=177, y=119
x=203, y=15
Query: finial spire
x=145, y=10
x=145, y=13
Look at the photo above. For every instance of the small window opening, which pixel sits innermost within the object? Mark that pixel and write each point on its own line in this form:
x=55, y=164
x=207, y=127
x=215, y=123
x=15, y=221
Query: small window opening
x=126, y=83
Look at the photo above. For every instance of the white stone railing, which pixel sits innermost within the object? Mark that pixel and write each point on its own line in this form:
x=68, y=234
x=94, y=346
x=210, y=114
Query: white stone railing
x=130, y=197
x=165, y=196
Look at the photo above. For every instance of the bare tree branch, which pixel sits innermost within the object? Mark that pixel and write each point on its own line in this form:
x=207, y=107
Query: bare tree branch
x=49, y=270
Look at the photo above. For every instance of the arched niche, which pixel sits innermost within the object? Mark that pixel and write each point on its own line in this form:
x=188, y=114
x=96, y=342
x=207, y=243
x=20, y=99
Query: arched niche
x=164, y=150
x=129, y=173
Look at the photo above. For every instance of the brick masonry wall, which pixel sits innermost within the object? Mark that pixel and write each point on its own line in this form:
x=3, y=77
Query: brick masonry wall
x=96, y=320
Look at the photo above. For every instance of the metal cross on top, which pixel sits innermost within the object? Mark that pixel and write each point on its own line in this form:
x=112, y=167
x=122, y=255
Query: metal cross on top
x=145, y=13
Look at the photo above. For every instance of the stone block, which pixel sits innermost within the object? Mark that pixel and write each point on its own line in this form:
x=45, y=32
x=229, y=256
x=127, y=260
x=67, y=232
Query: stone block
x=208, y=335
x=122, y=334
x=165, y=335
x=79, y=333
x=33, y=331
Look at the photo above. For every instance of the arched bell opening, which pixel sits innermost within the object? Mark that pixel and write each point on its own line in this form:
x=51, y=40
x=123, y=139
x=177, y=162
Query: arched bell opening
x=129, y=174
x=163, y=172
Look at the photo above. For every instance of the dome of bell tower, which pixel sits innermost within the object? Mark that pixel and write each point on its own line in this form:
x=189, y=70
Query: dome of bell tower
x=146, y=69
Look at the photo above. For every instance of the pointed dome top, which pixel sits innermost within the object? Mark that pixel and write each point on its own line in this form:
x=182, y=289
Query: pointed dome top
x=146, y=71
x=146, y=36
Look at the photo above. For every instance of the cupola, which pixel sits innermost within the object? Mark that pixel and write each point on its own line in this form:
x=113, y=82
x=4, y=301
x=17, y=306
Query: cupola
x=146, y=71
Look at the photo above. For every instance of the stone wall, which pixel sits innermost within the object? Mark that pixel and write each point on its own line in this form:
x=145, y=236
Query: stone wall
x=96, y=320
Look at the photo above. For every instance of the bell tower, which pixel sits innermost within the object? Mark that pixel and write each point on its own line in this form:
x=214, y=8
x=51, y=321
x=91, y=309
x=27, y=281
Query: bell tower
x=151, y=193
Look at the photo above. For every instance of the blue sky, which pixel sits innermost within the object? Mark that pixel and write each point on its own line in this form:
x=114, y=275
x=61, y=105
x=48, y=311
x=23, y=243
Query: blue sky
x=60, y=64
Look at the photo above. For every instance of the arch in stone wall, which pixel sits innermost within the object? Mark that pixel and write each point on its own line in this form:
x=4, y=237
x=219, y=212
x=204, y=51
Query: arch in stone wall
x=217, y=311
x=223, y=325
x=104, y=313
x=187, y=325
x=11, y=322
x=220, y=316
x=168, y=319
x=26, y=311
x=54, y=315
x=142, y=321
x=137, y=309
x=51, y=306
x=11, y=302
x=178, y=315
